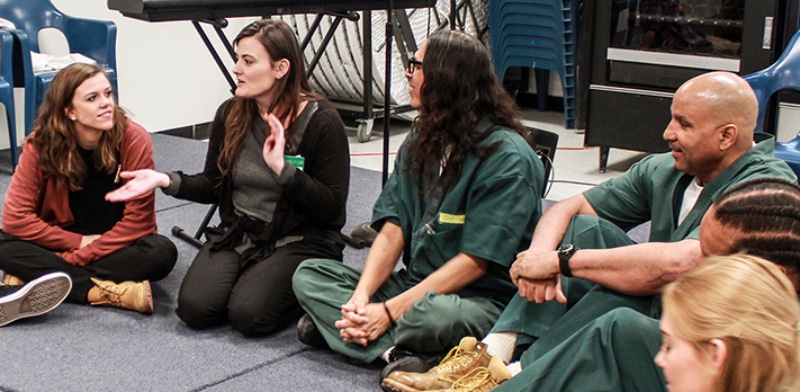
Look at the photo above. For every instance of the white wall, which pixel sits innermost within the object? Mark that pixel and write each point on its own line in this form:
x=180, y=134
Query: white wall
x=166, y=76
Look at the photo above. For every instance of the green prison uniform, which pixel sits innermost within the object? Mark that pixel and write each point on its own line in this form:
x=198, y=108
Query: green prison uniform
x=615, y=352
x=651, y=190
x=489, y=213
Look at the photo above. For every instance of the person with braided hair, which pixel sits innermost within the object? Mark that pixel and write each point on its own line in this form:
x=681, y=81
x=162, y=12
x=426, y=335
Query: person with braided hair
x=760, y=217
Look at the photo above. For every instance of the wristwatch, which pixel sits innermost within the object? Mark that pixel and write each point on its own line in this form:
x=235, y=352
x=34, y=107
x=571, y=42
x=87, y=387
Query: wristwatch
x=565, y=253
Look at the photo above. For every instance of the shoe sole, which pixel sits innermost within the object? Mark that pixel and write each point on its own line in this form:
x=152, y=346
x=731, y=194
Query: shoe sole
x=38, y=297
x=391, y=386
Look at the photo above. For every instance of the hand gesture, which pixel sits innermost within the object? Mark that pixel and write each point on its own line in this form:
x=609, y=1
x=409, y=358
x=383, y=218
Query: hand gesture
x=139, y=182
x=275, y=144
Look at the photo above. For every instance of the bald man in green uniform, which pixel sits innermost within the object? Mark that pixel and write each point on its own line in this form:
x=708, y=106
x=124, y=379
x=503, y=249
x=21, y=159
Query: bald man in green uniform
x=582, y=264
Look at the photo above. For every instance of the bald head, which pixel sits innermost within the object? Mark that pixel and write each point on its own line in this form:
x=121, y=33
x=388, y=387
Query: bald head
x=727, y=98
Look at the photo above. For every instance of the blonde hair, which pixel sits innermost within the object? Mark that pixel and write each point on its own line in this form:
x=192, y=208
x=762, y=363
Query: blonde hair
x=750, y=304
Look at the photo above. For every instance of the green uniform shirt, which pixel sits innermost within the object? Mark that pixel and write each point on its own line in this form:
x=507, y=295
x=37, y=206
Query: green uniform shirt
x=489, y=213
x=652, y=190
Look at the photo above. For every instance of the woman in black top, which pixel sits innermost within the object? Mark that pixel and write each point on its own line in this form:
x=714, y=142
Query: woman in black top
x=278, y=165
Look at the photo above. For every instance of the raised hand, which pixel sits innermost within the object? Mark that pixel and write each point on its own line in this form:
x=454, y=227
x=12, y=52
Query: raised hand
x=275, y=144
x=138, y=183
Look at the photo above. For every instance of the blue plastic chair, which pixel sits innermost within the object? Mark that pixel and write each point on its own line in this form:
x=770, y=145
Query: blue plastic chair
x=93, y=38
x=7, y=91
x=783, y=74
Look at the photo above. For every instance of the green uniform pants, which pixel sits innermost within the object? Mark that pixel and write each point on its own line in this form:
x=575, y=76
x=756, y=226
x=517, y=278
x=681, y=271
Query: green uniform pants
x=612, y=353
x=586, y=301
x=433, y=324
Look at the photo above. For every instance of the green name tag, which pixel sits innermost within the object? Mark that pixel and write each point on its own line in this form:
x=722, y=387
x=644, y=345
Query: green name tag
x=296, y=161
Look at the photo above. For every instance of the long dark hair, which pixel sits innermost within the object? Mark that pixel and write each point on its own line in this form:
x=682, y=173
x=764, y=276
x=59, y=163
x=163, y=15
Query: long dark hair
x=280, y=43
x=54, y=134
x=460, y=88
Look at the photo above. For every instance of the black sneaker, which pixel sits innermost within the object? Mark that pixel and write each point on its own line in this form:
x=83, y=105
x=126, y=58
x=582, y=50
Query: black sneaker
x=409, y=362
x=38, y=296
x=308, y=333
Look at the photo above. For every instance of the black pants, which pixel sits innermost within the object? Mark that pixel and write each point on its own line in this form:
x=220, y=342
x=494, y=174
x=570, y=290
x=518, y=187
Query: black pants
x=257, y=297
x=149, y=258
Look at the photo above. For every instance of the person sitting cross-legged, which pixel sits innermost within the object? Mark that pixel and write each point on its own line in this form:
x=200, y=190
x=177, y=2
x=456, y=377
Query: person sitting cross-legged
x=55, y=217
x=462, y=201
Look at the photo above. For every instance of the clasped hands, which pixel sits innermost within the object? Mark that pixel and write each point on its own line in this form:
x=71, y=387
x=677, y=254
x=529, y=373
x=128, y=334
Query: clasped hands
x=363, y=322
x=536, y=274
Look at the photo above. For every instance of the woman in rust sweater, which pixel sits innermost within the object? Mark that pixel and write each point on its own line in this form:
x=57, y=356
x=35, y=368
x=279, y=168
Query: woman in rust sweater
x=55, y=217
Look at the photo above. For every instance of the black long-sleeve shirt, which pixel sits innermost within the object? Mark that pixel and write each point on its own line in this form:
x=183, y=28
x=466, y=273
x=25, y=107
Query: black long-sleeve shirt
x=317, y=194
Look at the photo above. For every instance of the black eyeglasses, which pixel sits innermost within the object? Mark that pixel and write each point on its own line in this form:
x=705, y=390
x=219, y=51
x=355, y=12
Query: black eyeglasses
x=413, y=65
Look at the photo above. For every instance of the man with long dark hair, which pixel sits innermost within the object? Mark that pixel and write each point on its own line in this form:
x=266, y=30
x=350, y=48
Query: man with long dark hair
x=462, y=201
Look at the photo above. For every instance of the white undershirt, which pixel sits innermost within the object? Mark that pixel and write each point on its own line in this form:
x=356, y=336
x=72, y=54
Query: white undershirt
x=690, y=196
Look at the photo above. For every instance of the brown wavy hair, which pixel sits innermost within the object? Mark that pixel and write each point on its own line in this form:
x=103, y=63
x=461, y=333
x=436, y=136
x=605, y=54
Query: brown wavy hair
x=460, y=88
x=280, y=43
x=55, y=135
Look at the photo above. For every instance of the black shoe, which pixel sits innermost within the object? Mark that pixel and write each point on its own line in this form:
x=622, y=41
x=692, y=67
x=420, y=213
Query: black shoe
x=407, y=361
x=308, y=333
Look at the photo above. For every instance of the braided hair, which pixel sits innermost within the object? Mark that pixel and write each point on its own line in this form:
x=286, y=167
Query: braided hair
x=766, y=213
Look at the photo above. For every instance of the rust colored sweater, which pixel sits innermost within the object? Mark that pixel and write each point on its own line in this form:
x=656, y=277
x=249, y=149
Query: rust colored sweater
x=36, y=209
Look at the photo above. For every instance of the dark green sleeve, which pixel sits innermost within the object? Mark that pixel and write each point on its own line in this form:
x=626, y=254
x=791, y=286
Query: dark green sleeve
x=395, y=203
x=504, y=203
x=626, y=200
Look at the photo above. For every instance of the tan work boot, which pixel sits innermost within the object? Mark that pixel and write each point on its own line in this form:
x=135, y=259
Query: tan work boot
x=462, y=359
x=483, y=379
x=11, y=280
x=126, y=295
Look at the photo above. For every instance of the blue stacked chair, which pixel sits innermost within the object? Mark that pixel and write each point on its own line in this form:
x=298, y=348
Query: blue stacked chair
x=536, y=34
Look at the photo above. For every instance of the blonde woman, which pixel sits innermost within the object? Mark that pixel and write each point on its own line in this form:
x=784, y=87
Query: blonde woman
x=731, y=324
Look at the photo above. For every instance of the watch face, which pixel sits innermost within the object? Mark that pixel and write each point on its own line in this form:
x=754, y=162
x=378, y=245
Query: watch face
x=566, y=248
